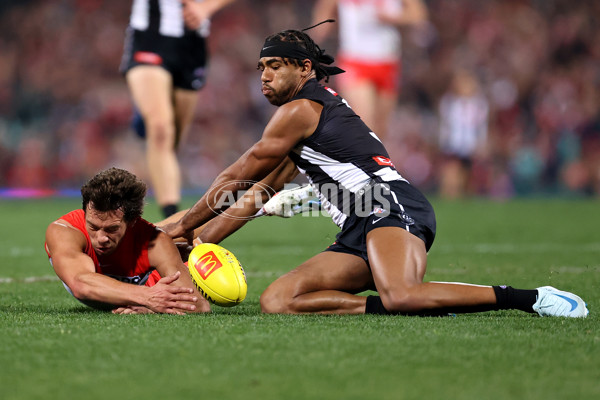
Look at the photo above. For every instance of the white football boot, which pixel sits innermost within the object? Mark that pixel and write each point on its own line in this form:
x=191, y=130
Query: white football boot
x=552, y=302
x=288, y=202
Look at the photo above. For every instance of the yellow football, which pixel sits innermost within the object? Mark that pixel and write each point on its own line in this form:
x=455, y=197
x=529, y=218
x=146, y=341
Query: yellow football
x=217, y=274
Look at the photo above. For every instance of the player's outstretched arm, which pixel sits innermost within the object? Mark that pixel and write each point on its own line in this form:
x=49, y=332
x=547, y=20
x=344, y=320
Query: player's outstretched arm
x=66, y=247
x=245, y=208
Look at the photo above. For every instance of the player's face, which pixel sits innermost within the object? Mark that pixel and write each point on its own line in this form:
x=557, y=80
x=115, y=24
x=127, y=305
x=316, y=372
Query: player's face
x=280, y=81
x=106, y=229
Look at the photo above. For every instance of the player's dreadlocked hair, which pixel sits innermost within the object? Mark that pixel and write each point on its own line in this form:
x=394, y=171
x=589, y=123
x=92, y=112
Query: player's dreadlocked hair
x=115, y=189
x=300, y=46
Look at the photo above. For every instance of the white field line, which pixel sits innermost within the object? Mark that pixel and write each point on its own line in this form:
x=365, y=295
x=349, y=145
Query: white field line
x=495, y=248
x=48, y=278
x=477, y=248
x=565, y=269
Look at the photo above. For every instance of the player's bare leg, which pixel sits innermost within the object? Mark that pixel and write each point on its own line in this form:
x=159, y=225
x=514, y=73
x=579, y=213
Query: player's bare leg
x=372, y=106
x=324, y=284
x=361, y=96
x=385, y=102
x=185, y=105
x=151, y=87
x=398, y=260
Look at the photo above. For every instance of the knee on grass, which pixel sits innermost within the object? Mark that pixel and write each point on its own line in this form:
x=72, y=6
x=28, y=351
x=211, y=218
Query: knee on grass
x=275, y=302
x=406, y=301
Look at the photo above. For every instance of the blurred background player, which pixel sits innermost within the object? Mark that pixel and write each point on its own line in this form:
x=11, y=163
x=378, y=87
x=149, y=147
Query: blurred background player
x=369, y=51
x=109, y=258
x=164, y=62
x=464, y=112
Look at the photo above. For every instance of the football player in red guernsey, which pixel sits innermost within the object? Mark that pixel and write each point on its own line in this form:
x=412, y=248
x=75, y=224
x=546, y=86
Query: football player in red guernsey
x=109, y=258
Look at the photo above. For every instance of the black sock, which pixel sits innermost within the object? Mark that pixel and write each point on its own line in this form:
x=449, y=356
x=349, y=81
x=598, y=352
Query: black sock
x=169, y=210
x=508, y=298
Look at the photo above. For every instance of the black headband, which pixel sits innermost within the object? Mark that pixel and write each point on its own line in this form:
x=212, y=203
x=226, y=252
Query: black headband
x=278, y=48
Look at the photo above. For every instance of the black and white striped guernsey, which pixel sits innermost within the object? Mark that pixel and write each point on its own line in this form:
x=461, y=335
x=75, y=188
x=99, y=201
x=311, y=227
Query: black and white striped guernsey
x=342, y=154
x=163, y=17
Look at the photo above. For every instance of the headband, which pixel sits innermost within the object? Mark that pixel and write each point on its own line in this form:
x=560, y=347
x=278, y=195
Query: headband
x=278, y=48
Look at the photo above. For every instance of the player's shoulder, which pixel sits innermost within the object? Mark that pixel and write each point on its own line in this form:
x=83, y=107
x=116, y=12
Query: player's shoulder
x=144, y=230
x=300, y=116
x=61, y=235
x=74, y=220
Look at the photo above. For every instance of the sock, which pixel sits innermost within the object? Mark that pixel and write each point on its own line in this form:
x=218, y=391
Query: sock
x=518, y=299
x=169, y=210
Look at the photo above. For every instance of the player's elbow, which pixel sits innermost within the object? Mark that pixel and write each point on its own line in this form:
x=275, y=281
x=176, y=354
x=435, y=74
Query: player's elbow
x=80, y=290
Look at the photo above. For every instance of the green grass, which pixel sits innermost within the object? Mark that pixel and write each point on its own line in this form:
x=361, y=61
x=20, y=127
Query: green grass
x=54, y=348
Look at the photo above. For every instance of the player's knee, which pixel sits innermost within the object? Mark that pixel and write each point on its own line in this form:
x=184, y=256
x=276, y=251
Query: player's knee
x=272, y=301
x=397, y=302
x=161, y=132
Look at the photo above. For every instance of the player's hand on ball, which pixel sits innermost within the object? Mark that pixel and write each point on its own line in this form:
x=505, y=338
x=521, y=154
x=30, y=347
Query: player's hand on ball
x=164, y=297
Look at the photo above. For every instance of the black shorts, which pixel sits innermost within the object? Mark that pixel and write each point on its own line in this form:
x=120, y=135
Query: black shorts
x=184, y=57
x=408, y=209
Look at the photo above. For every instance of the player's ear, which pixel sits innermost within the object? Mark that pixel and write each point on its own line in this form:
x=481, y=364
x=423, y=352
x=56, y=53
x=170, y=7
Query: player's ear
x=306, y=66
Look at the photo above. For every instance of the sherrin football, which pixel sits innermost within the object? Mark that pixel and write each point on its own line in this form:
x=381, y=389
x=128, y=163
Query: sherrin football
x=217, y=274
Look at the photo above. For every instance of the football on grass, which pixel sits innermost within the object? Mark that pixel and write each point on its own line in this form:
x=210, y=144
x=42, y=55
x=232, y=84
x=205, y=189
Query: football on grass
x=217, y=274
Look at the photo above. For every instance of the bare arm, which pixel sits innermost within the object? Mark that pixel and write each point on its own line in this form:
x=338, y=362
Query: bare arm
x=414, y=12
x=244, y=210
x=322, y=10
x=76, y=269
x=291, y=123
x=195, y=12
x=236, y=216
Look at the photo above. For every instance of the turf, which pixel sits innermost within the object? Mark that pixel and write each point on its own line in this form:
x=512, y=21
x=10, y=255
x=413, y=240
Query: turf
x=54, y=348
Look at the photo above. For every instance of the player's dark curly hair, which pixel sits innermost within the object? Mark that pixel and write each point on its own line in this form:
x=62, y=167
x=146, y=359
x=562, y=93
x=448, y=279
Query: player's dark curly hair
x=303, y=40
x=115, y=189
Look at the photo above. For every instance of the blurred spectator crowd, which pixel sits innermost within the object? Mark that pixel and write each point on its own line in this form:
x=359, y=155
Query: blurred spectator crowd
x=522, y=76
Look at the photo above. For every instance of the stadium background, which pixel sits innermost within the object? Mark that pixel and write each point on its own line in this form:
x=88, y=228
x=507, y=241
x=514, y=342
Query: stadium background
x=65, y=110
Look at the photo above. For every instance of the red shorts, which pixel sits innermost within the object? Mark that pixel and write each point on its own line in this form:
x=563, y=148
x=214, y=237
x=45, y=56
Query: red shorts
x=385, y=76
x=153, y=278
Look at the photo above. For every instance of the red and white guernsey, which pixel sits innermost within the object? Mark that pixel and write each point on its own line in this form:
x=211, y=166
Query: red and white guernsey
x=362, y=36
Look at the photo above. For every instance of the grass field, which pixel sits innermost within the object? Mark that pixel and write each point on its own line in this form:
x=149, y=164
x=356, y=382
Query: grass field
x=54, y=348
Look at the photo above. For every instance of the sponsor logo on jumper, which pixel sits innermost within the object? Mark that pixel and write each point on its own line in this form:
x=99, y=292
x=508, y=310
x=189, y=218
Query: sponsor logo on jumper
x=330, y=90
x=381, y=160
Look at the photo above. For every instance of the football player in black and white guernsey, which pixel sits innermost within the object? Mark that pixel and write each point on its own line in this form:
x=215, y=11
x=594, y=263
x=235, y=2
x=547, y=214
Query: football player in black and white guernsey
x=387, y=225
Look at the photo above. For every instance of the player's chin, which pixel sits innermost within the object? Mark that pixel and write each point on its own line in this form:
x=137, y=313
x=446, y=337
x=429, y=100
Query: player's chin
x=104, y=251
x=275, y=100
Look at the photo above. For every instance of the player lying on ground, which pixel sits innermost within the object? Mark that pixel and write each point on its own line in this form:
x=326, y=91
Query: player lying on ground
x=384, y=249
x=109, y=258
